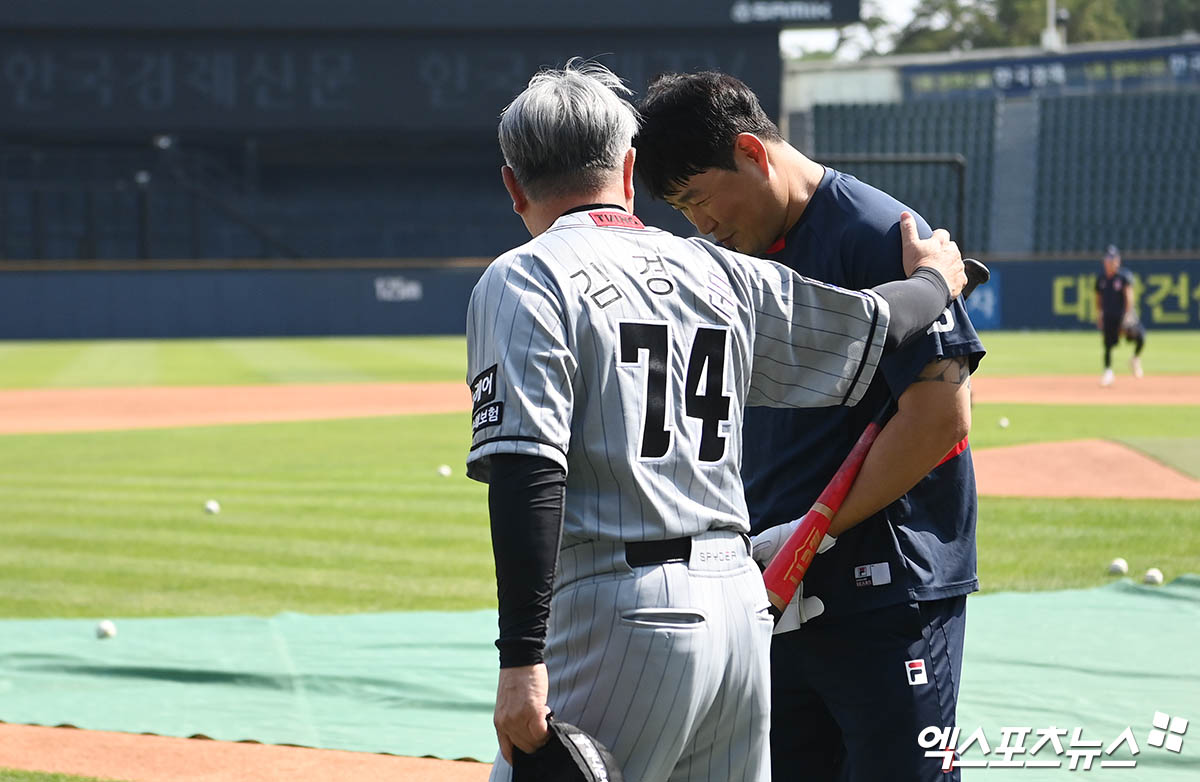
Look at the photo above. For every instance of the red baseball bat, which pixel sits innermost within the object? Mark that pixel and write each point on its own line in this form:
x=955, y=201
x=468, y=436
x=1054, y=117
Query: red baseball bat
x=791, y=562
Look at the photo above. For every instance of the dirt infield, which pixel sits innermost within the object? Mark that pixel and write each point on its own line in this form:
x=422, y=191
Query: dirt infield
x=97, y=409
x=1081, y=468
x=140, y=758
x=1086, y=390
x=94, y=409
x=1089, y=468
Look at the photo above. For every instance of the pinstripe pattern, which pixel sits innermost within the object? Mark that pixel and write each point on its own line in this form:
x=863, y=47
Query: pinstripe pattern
x=666, y=665
x=548, y=316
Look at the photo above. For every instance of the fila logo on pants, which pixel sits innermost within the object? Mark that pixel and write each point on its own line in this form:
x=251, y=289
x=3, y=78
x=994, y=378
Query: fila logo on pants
x=916, y=672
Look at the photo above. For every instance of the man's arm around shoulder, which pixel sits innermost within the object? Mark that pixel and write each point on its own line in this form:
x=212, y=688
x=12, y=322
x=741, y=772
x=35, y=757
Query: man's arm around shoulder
x=933, y=415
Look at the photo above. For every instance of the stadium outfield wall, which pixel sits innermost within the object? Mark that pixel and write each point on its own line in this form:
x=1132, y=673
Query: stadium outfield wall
x=1060, y=294
x=280, y=298
x=184, y=299
x=1065, y=151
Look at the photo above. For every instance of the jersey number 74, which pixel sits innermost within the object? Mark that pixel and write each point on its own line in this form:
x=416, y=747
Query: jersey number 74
x=704, y=398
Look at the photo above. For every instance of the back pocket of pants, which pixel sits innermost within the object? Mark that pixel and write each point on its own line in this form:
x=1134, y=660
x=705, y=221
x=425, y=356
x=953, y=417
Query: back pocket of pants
x=676, y=618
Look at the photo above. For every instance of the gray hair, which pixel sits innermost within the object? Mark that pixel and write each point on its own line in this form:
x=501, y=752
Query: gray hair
x=568, y=130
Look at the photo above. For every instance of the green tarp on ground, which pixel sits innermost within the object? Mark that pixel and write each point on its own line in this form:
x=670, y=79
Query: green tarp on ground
x=403, y=683
x=1100, y=660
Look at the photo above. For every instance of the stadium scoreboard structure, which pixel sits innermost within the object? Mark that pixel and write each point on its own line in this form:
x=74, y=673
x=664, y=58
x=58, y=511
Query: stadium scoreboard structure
x=137, y=66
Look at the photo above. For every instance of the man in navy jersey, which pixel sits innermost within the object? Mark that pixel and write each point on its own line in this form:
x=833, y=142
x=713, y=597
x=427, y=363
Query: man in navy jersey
x=1116, y=314
x=879, y=653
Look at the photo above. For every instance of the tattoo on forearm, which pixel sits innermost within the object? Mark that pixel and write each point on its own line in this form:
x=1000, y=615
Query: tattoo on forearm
x=951, y=370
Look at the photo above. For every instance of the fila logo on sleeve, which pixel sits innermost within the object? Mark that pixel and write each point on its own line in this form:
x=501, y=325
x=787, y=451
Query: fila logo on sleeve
x=916, y=672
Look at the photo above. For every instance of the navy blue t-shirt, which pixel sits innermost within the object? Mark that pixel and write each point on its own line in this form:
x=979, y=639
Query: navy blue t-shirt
x=921, y=547
x=1112, y=292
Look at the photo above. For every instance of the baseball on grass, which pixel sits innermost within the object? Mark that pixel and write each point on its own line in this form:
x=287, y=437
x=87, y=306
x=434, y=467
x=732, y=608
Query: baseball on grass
x=212, y=506
x=106, y=629
x=444, y=471
x=1003, y=422
x=1153, y=576
x=1118, y=567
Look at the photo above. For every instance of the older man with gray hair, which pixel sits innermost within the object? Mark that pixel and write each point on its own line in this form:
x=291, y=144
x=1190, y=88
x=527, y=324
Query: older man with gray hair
x=609, y=363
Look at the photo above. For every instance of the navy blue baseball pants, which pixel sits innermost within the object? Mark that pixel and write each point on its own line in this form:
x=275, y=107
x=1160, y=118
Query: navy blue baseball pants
x=850, y=696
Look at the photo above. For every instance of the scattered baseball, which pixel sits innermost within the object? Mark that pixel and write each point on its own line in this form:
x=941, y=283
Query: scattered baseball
x=1153, y=576
x=212, y=506
x=1003, y=422
x=1118, y=567
x=106, y=629
x=444, y=471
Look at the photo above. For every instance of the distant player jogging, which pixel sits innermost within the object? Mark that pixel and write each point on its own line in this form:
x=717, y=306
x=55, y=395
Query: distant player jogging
x=609, y=363
x=1116, y=314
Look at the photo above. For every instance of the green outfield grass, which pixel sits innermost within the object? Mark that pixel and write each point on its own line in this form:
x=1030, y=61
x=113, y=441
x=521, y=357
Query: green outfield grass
x=1167, y=433
x=1081, y=353
x=348, y=516
x=13, y=775
x=351, y=515
x=1039, y=544
x=316, y=517
x=183, y=362
x=1181, y=453
x=219, y=362
x=1051, y=423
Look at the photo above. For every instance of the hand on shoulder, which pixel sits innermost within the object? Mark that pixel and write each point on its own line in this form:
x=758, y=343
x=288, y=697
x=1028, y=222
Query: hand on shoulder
x=937, y=252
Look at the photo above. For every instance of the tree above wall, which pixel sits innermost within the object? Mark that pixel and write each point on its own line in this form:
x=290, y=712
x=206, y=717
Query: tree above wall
x=962, y=25
x=957, y=25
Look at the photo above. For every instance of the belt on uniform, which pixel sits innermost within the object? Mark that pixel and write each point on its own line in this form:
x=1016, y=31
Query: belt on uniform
x=658, y=552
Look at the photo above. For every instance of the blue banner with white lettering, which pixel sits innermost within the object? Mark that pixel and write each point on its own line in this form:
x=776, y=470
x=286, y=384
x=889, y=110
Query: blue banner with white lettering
x=1053, y=73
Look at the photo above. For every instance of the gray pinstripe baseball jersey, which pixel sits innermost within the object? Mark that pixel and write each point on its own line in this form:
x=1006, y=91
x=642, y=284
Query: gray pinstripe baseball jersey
x=625, y=354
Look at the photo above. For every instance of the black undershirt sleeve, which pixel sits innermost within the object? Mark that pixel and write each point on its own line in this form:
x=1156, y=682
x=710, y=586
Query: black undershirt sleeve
x=915, y=303
x=525, y=502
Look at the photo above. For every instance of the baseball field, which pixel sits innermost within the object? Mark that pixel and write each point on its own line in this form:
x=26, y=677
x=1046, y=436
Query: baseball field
x=324, y=457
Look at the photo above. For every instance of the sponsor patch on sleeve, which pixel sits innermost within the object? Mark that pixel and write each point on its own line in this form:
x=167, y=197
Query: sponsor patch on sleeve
x=488, y=415
x=485, y=410
x=483, y=388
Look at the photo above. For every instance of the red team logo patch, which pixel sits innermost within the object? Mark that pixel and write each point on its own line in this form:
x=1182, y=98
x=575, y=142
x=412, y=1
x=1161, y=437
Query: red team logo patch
x=616, y=220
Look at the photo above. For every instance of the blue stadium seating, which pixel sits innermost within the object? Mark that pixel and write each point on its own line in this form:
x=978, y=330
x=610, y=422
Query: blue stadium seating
x=1118, y=168
x=964, y=127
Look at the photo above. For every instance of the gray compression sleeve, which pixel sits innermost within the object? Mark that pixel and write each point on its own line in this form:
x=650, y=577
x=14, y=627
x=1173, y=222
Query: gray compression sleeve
x=914, y=303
